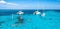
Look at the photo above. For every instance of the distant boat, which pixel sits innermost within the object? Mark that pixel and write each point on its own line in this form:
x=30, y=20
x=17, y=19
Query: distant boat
x=37, y=12
x=20, y=12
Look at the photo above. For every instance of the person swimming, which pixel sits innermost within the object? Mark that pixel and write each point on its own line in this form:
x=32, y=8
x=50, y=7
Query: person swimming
x=20, y=20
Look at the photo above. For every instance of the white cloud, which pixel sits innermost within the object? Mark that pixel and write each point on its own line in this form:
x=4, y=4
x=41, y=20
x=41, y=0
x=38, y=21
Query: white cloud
x=6, y=5
x=2, y=2
x=12, y=4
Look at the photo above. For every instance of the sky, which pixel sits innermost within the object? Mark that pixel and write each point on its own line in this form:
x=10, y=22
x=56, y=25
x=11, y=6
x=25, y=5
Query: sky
x=29, y=4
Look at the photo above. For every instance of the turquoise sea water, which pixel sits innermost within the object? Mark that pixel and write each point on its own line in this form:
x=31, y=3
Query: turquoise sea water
x=50, y=21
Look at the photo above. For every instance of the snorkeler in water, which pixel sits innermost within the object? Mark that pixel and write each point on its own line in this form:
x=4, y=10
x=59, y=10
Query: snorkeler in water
x=20, y=20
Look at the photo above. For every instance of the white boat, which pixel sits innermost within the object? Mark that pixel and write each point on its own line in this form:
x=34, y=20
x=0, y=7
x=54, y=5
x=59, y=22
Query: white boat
x=37, y=12
x=20, y=12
